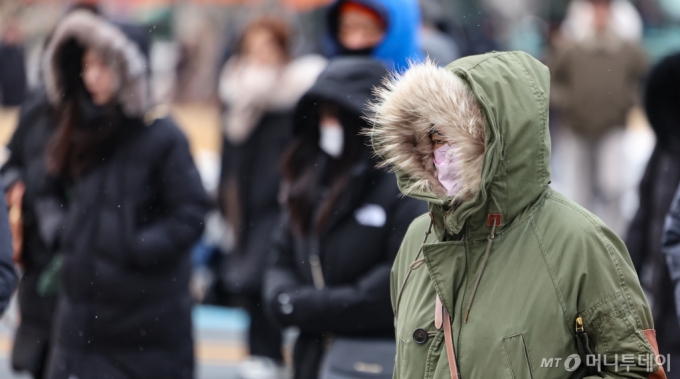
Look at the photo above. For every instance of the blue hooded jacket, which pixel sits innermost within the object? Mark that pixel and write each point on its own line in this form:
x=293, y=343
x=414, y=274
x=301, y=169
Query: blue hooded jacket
x=401, y=38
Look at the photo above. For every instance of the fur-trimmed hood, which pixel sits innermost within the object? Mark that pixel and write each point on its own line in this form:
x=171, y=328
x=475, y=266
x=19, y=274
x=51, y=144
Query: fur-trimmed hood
x=412, y=105
x=494, y=107
x=93, y=31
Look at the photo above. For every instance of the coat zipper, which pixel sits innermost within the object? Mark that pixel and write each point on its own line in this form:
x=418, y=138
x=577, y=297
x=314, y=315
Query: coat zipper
x=582, y=336
x=583, y=339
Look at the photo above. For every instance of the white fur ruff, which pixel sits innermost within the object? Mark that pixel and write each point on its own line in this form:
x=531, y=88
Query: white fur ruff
x=412, y=105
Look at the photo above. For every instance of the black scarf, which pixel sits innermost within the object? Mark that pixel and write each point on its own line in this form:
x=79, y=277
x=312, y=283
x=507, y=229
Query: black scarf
x=365, y=52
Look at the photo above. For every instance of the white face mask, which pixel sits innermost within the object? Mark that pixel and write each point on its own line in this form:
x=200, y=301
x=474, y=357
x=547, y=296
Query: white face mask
x=332, y=138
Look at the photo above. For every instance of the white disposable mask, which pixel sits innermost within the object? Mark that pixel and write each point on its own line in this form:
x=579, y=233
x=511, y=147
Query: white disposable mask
x=332, y=139
x=447, y=169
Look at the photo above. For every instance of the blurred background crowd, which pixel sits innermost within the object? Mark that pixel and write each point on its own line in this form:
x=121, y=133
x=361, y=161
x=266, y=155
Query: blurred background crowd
x=233, y=74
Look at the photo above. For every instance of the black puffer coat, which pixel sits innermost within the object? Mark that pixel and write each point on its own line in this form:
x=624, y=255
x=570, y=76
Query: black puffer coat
x=657, y=188
x=356, y=248
x=125, y=240
x=125, y=226
x=126, y=268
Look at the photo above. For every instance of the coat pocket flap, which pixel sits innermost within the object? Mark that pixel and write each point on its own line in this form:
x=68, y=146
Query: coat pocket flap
x=517, y=357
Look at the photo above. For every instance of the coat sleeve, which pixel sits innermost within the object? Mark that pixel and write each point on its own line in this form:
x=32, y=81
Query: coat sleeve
x=185, y=204
x=608, y=298
x=281, y=276
x=31, y=109
x=671, y=246
x=359, y=307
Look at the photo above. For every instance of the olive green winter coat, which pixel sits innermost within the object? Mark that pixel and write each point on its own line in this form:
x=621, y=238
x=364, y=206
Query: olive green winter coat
x=550, y=260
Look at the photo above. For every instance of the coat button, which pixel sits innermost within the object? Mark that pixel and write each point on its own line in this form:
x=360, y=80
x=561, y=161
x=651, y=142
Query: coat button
x=420, y=336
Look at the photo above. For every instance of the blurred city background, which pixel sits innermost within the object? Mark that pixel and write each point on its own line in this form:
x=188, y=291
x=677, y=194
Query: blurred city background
x=192, y=41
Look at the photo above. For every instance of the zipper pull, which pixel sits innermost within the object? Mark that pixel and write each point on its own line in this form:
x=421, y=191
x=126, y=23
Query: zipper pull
x=579, y=325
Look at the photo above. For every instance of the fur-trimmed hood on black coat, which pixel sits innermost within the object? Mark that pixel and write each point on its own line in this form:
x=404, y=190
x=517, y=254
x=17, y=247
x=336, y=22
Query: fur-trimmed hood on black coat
x=124, y=228
x=123, y=46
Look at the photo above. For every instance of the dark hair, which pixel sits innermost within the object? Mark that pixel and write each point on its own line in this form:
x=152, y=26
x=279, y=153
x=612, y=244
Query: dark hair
x=304, y=176
x=76, y=144
x=280, y=30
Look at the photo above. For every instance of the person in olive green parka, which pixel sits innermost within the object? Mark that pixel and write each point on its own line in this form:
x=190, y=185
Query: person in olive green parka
x=532, y=285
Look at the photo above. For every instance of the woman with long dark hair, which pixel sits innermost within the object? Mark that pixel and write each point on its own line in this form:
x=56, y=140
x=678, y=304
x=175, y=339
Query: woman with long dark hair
x=344, y=221
x=33, y=255
x=118, y=196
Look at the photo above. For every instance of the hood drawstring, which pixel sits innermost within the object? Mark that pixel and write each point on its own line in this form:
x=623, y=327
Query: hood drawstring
x=417, y=262
x=494, y=220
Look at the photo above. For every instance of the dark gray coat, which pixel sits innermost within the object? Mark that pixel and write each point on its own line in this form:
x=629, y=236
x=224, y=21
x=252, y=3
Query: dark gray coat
x=356, y=247
x=657, y=187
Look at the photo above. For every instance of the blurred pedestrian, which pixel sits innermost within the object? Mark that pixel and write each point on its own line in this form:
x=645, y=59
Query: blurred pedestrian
x=387, y=30
x=259, y=88
x=657, y=189
x=595, y=85
x=343, y=225
x=119, y=197
x=515, y=273
x=13, y=80
x=33, y=250
x=30, y=252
